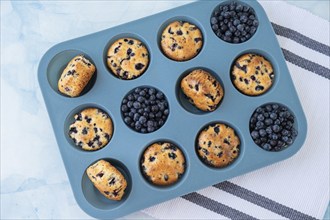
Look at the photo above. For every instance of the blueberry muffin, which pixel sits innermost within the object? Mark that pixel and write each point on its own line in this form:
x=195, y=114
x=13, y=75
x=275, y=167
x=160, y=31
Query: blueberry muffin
x=202, y=90
x=107, y=179
x=128, y=58
x=218, y=145
x=252, y=74
x=181, y=41
x=76, y=76
x=163, y=163
x=91, y=130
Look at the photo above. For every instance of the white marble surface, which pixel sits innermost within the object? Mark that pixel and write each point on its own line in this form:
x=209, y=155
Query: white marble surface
x=34, y=183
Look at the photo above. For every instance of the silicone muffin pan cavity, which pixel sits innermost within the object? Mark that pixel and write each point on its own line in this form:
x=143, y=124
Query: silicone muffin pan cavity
x=161, y=137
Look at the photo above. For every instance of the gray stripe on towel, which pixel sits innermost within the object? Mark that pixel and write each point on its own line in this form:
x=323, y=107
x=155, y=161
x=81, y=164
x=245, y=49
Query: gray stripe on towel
x=216, y=207
x=306, y=64
x=262, y=201
x=301, y=39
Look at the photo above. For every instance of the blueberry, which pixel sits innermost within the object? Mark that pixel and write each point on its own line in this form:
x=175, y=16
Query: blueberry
x=237, y=34
x=142, y=93
x=243, y=19
x=262, y=132
x=267, y=147
x=136, y=117
x=285, y=132
x=142, y=119
x=255, y=134
x=216, y=13
x=246, y=8
x=252, y=30
x=226, y=14
x=154, y=108
x=124, y=108
x=276, y=128
x=239, y=8
x=151, y=129
x=215, y=27
x=137, y=105
x=277, y=122
x=275, y=106
x=160, y=122
x=214, y=20
x=240, y=27
x=259, y=110
x=273, y=143
x=166, y=112
x=280, y=143
x=269, y=130
x=232, y=29
x=129, y=104
x=227, y=39
x=236, y=40
x=273, y=116
x=158, y=115
x=130, y=97
x=260, y=124
x=274, y=136
x=285, y=139
x=255, y=23
x=261, y=117
x=223, y=28
x=289, y=141
x=137, y=126
x=269, y=108
x=141, y=99
x=236, y=22
x=228, y=33
x=152, y=91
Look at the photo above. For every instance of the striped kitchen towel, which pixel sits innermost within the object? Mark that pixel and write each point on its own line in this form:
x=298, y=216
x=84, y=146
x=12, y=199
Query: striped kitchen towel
x=297, y=188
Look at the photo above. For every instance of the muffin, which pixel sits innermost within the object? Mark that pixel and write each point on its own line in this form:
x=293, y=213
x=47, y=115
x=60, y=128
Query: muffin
x=107, y=179
x=218, y=145
x=202, y=90
x=127, y=58
x=163, y=164
x=252, y=74
x=76, y=76
x=181, y=41
x=91, y=130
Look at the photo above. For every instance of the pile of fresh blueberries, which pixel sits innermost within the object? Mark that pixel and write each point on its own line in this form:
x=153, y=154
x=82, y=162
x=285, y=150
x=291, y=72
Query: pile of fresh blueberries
x=234, y=22
x=271, y=127
x=145, y=109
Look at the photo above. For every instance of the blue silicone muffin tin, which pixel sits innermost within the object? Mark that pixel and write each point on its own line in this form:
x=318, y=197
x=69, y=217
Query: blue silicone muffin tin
x=184, y=122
